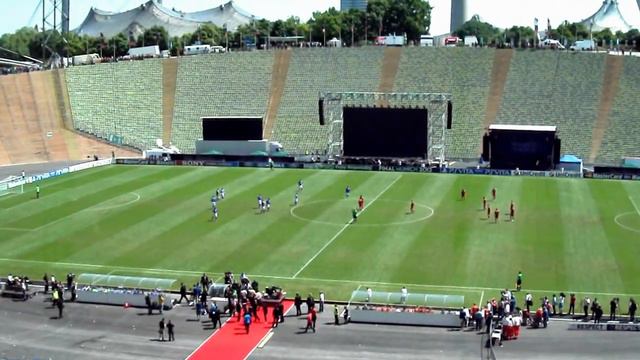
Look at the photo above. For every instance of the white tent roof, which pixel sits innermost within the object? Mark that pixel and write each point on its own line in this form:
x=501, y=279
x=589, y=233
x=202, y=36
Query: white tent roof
x=608, y=16
x=153, y=13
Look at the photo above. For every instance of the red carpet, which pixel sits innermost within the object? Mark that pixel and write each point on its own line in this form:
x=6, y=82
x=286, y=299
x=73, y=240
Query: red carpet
x=232, y=341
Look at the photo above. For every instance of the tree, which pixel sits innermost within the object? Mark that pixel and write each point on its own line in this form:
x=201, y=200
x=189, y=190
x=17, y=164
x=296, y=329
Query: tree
x=485, y=32
x=520, y=36
x=155, y=35
x=326, y=25
x=18, y=42
x=411, y=17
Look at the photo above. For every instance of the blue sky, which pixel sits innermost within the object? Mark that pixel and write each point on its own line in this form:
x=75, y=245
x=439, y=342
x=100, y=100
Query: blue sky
x=502, y=13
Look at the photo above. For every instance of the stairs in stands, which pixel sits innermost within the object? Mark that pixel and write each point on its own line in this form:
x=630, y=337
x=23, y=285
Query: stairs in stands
x=169, y=78
x=48, y=117
x=610, y=85
x=279, y=73
x=499, y=74
x=390, y=65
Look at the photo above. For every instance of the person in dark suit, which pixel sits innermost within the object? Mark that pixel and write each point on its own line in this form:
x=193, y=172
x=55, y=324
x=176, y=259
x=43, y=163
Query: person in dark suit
x=298, y=303
x=170, y=327
x=60, y=307
x=183, y=293
x=161, y=329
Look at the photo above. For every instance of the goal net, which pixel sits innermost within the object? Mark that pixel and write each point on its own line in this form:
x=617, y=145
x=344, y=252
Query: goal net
x=12, y=185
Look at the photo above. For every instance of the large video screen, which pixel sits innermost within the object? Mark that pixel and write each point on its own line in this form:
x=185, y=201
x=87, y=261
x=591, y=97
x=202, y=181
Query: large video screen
x=385, y=132
x=530, y=150
x=232, y=128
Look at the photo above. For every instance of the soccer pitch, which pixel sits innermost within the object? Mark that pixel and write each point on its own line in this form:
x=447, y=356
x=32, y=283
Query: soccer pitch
x=570, y=235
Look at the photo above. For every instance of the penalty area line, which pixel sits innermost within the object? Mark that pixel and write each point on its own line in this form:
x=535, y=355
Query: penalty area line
x=344, y=228
x=634, y=205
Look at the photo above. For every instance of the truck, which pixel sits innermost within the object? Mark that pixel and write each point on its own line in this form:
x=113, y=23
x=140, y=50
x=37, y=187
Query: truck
x=85, y=59
x=390, y=40
x=583, y=45
x=471, y=40
x=144, y=51
x=426, y=40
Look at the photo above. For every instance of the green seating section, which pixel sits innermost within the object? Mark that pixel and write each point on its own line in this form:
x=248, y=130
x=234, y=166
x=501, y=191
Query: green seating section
x=311, y=71
x=118, y=101
x=463, y=72
x=234, y=84
x=555, y=88
x=621, y=138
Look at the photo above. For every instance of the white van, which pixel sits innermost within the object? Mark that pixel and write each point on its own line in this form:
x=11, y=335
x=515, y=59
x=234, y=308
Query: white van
x=426, y=40
x=583, y=45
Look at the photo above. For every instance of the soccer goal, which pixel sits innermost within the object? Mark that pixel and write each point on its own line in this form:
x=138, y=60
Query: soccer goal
x=12, y=185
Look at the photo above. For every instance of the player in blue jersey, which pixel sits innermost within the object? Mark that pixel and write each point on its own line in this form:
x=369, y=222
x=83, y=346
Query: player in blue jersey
x=300, y=185
x=214, y=201
x=347, y=191
x=296, y=199
x=268, y=203
x=218, y=193
x=259, y=202
x=215, y=214
x=221, y=193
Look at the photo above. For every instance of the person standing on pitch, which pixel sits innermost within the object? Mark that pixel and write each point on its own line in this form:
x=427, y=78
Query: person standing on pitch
x=484, y=203
x=361, y=203
x=354, y=215
x=412, y=207
x=496, y=215
x=519, y=281
x=493, y=193
x=37, y=191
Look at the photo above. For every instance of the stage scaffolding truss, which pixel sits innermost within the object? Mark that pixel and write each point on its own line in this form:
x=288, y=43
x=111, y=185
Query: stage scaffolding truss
x=436, y=105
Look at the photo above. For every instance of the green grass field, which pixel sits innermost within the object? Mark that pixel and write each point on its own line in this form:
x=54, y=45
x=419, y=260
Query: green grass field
x=570, y=235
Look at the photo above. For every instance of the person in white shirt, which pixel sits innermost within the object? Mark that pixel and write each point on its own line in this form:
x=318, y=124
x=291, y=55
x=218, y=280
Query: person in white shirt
x=369, y=294
x=403, y=296
x=321, y=302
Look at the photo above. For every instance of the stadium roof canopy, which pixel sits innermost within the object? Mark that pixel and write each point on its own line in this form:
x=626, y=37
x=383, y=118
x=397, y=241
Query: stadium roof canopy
x=608, y=16
x=153, y=13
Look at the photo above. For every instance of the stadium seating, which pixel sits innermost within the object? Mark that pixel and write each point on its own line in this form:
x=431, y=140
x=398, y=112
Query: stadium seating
x=463, y=72
x=118, y=101
x=555, y=88
x=234, y=84
x=310, y=72
x=621, y=138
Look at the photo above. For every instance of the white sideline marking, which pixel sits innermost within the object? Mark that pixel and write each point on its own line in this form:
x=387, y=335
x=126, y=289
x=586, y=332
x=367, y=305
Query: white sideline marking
x=344, y=228
x=265, y=340
x=481, y=298
x=634, y=205
x=360, y=283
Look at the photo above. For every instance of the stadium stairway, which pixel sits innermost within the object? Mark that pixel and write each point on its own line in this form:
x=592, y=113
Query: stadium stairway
x=610, y=85
x=499, y=73
x=390, y=64
x=32, y=126
x=169, y=79
x=278, y=82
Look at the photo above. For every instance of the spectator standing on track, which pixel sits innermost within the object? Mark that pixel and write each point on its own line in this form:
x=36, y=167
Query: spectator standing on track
x=336, y=314
x=528, y=299
x=597, y=314
x=170, y=327
x=561, y=303
x=321, y=301
x=403, y=295
x=572, y=304
x=45, y=279
x=309, y=323
x=281, y=312
x=586, y=302
x=554, y=303
x=160, y=302
x=345, y=314
x=632, y=309
x=183, y=293
x=147, y=301
x=161, y=329
x=314, y=318
x=247, y=321
x=369, y=294
x=60, y=307
x=613, y=305
x=276, y=316
x=311, y=303
x=298, y=303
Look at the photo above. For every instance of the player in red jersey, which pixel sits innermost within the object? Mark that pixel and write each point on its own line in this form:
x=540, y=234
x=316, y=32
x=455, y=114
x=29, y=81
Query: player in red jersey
x=463, y=194
x=493, y=193
x=484, y=203
x=412, y=207
x=512, y=211
x=361, y=203
x=496, y=215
